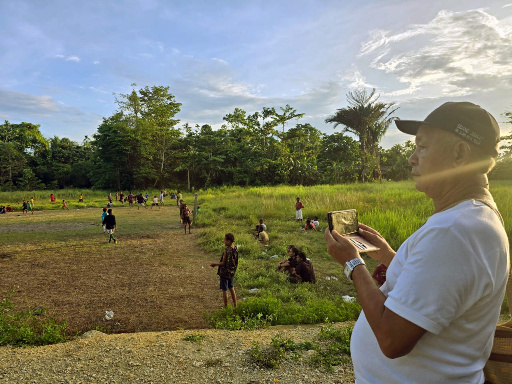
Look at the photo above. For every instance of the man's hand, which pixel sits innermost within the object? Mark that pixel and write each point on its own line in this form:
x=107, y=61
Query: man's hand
x=385, y=254
x=213, y=265
x=340, y=248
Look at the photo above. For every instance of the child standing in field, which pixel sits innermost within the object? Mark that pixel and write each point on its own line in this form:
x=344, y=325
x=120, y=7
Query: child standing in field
x=24, y=207
x=110, y=224
x=185, y=214
x=64, y=205
x=227, y=268
x=103, y=215
x=298, y=209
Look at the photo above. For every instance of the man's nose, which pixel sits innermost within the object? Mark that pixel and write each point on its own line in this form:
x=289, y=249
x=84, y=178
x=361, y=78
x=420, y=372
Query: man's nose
x=413, y=159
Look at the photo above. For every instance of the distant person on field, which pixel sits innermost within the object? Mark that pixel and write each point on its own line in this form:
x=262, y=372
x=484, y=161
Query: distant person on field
x=9, y=208
x=303, y=272
x=32, y=201
x=182, y=204
x=110, y=204
x=434, y=319
x=155, y=202
x=179, y=196
x=109, y=196
x=2, y=209
x=262, y=235
x=316, y=222
x=260, y=227
x=186, y=217
x=110, y=225
x=30, y=207
x=52, y=198
x=291, y=262
x=65, y=205
x=298, y=209
x=380, y=274
x=131, y=199
x=24, y=207
x=121, y=197
x=103, y=215
x=117, y=195
x=81, y=198
x=162, y=197
x=140, y=201
x=198, y=210
x=227, y=268
x=309, y=225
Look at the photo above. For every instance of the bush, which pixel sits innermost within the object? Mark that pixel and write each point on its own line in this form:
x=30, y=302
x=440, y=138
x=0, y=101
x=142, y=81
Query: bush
x=28, y=327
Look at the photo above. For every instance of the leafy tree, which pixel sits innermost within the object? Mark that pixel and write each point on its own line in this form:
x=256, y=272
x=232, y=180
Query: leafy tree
x=12, y=162
x=114, y=160
x=288, y=113
x=339, y=158
x=19, y=141
x=395, y=161
x=368, y=119
x=303, y=144
x=150, y=113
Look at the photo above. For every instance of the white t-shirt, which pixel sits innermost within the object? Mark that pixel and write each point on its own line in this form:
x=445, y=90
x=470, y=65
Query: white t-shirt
x=449, y=278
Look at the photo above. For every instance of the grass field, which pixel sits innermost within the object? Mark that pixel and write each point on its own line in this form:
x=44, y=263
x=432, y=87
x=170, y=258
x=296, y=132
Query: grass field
x=156, y=278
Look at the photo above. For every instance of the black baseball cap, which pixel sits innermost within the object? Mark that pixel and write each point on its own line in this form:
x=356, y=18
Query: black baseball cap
x=467, y=120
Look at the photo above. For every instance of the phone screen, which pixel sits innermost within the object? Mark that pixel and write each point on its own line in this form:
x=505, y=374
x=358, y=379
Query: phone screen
x=343, y=221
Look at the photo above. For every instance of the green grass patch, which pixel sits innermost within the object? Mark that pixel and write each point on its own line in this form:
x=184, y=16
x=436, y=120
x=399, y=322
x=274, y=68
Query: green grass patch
x=32, y=327
x=332, y=348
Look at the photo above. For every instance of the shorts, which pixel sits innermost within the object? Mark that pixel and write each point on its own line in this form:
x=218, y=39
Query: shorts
x=110, y=231
x=226, y=284
x=298, y=214
x=186, y=220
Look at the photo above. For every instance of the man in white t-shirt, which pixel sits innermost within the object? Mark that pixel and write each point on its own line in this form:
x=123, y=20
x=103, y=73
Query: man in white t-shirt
x=433, y=319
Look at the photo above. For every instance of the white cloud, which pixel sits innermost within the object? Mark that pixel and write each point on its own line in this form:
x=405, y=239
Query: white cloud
x=456, y=54
x=17, y=103
x=76, y=59
x=356, y=79
x=95, y=62
x=220, y=61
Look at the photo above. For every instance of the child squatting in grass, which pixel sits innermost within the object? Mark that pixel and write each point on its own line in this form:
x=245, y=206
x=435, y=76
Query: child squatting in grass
x=227, y=268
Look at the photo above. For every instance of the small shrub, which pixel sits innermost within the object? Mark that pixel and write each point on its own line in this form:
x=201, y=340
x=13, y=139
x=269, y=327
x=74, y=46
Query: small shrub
x=28, y=327
x=269, y=357
x=195, y=337
x=335, y=349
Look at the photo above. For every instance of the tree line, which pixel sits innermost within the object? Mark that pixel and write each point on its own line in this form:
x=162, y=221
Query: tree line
x=142, y=145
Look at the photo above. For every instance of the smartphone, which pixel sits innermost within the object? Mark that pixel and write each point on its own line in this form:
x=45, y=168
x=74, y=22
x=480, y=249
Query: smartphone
x=346, y=224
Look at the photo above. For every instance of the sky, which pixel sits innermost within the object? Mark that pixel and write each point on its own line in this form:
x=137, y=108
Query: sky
x=62, y=62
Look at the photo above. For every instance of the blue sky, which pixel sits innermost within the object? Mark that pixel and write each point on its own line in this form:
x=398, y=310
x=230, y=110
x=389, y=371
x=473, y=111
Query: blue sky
x=61, y=61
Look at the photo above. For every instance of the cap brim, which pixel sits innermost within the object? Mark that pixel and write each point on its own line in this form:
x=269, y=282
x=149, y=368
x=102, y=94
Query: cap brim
x=409, y=126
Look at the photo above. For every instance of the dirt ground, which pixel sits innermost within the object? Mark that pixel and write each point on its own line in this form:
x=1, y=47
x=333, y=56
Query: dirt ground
x=155, y=278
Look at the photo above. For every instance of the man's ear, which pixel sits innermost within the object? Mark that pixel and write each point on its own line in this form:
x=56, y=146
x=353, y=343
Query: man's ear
x=462, y=152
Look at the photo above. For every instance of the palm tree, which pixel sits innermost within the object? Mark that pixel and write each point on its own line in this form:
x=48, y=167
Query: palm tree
x=368, y=119
x=288, y=114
